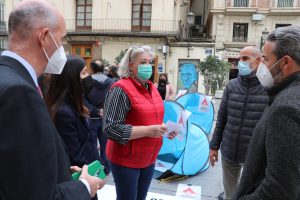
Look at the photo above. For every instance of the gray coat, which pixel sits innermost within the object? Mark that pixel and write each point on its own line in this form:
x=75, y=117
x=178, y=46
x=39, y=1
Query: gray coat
x=272, y=167
x=243, y=102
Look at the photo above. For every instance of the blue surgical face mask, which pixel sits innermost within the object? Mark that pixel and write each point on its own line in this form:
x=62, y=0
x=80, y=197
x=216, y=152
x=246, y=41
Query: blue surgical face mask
x=144, y=71
x=244, y=68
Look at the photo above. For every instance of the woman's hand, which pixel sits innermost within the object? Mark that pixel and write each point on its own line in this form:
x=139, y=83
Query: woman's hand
x=172, y=135
x=157, y=130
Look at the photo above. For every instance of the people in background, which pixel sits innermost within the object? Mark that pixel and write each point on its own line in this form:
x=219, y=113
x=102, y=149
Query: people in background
x=165, y=89
x=97, y=87
x=34, y=162
x=68, y=113
x=113, y=73
x=271, y=170
x=133, y=122
x=243, y=102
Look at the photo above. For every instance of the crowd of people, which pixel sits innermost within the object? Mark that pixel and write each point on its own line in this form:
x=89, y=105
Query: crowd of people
x=56, y=117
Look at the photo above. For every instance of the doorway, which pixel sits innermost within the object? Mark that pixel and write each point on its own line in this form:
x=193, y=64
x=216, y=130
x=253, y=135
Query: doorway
x=85, y=51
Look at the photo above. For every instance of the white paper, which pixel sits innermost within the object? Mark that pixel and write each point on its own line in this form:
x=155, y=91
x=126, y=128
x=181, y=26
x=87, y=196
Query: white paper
x=163, y=166
x=108, y=192
x=172, y=127
x=185, y=191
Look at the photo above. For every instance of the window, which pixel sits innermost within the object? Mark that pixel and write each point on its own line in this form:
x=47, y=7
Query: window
x=241, y=3
x=2, y=22
x=282, y=25
x=3, y=43
x=240, y=32
x=84, y=14
x=285, y=3
x=141, y=15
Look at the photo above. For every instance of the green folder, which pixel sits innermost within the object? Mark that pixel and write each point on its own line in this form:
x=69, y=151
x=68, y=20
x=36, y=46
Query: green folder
x=94, y=169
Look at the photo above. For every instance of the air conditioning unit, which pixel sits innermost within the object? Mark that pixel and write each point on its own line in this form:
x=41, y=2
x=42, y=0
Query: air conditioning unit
x=256, y=17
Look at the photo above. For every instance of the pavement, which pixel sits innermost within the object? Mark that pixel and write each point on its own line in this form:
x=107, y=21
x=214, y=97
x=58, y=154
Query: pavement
x=210, y=180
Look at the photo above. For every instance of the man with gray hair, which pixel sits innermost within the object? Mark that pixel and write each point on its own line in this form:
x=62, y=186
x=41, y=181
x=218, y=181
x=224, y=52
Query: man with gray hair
x=34, y=162
x=272, y=167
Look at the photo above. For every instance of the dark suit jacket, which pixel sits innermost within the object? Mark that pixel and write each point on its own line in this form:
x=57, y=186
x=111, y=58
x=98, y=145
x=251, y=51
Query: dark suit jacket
x=34, y=163
x=74, y=130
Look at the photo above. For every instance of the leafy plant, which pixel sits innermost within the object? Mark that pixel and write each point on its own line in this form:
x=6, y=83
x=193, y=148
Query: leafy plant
x=215, y=73
x=104, y=62
x=119, y=57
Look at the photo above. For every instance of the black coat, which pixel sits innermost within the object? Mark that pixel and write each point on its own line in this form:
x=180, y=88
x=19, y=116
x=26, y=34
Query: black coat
x=243, y=102
x=272, y=167
x=34, y=163
x=74, y=130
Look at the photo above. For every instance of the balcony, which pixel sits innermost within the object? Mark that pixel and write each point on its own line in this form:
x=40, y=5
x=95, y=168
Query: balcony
x=241, y=3
x=3, y=28
x=285, y=3
x=241, y=6
x=123, y=27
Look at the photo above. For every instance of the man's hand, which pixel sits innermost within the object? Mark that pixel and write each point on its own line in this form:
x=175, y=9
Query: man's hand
x=94, y=182
x=75, y=169
x=213, y=156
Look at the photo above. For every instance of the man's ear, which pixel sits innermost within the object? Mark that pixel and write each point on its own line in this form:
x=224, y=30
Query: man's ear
x=43, y=36
x=288, y=63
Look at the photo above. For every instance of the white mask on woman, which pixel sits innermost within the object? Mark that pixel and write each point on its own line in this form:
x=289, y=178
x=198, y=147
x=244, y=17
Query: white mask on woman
x=57, y=61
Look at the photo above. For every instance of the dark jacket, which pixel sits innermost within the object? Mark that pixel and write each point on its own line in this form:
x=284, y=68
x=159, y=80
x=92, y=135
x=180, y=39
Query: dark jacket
x=243, y=102
x=272, y=167
x=95, y=95
x=74, y=130
x=34, y=162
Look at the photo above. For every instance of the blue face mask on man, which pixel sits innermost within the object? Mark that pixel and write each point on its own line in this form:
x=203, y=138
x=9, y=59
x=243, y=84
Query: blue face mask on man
x=244, y=68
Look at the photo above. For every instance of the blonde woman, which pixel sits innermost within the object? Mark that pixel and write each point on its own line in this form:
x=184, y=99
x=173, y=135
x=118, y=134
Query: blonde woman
x=133, y=122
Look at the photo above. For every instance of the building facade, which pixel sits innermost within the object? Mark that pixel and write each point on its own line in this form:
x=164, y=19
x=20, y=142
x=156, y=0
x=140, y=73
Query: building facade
x=238, y=23
x=104, y=28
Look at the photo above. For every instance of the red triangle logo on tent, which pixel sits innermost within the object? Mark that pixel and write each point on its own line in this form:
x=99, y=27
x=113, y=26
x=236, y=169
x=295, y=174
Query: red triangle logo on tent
x=204, y=102
x=181, y=120
x=159, y=165
x=189, y=190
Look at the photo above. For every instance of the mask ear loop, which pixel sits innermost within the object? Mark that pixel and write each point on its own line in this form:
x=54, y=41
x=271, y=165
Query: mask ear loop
x=45, y=51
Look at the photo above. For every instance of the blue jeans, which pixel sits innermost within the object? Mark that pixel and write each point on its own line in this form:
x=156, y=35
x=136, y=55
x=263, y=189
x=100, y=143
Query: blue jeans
x=132, y=183
x=97, y=132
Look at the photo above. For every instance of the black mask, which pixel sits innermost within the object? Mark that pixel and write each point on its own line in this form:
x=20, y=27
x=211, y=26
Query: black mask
x=162, y=81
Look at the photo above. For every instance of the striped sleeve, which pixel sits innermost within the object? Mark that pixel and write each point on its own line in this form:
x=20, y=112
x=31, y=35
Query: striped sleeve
x=116, y=107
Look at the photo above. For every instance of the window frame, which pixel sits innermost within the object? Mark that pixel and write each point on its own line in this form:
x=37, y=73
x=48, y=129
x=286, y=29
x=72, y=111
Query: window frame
x=87, y=22
x=237, y=36
x=141, y=5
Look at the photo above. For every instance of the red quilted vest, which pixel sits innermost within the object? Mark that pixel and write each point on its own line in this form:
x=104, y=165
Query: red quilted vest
x=146, y=109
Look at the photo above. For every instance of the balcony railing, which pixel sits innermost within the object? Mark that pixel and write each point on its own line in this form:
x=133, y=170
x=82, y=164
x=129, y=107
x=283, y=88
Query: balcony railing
x=123, y=26
x=285, y=3
x=241, y=3
x=239, y=39
x=3, y=27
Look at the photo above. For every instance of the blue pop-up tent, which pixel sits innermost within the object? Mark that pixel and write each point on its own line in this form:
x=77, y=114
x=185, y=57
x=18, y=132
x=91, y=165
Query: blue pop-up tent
x=186, y=155
x=201, y=107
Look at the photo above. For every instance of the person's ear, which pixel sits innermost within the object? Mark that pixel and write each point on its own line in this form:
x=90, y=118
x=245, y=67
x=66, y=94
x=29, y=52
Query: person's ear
x=130, y=64
x=288, y=63
x=43, y=36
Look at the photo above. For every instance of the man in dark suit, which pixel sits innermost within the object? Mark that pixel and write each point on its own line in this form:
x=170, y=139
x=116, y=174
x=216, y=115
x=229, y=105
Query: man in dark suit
x=34, y=162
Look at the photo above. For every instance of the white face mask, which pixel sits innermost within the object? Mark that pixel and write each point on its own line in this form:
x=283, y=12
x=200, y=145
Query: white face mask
x=57, y=61
x=264, y=75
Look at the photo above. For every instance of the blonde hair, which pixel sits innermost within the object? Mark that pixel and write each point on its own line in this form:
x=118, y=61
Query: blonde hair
x=130, y=56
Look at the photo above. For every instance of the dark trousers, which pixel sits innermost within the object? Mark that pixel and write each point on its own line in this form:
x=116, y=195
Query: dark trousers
x=97, y=132
x=132, y=183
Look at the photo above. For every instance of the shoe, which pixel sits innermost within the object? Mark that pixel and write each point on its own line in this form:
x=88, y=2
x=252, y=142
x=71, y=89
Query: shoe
x=220, y=196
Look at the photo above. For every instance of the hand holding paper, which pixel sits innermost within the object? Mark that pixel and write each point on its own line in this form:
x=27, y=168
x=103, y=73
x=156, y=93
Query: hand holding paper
x=173, y=129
